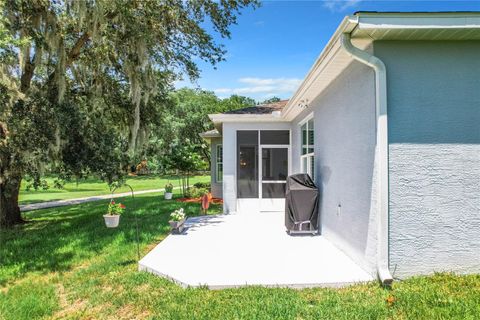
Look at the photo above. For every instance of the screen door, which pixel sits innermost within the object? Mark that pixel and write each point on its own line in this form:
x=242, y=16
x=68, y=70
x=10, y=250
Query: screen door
x=273, y=176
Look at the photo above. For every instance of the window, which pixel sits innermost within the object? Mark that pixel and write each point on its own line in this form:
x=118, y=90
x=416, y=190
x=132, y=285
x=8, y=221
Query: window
x=307, y=157
x=247, y=164
x=262, y=163
x=275, y=137
x=219, y=155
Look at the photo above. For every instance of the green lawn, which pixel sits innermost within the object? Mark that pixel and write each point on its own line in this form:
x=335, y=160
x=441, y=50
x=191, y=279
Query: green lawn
x=94, y=187
x=65, y=264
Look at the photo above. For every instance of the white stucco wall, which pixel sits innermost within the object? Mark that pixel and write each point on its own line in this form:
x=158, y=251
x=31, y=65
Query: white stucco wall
x=216, y=186
x=344, y=119
x=434, y=155
x=230, y=157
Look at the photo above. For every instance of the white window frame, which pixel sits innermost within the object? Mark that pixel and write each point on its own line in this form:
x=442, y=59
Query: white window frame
x=218, y=178
x=310, y=157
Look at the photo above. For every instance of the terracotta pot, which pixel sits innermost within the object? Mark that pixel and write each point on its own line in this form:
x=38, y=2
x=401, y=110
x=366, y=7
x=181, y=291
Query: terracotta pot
x=111, y=220
x=168, y=195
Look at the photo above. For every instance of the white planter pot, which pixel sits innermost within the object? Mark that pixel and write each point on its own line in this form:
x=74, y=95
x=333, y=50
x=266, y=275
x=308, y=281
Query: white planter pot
x=111, y=221
x=168, y=195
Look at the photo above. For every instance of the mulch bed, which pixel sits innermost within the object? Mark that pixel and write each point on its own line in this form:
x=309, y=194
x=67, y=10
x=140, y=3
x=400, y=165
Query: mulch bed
x=199, y=200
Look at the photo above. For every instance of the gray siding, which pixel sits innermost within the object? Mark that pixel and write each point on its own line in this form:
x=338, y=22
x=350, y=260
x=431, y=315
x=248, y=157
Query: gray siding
x=344, y=119
x=434, y=155
x=216, y=186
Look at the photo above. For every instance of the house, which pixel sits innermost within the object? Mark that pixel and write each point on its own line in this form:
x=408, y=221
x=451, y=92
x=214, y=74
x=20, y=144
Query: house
x=387, y=122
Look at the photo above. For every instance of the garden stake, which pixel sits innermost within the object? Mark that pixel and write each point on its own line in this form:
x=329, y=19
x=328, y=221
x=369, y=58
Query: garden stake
x=205, y=203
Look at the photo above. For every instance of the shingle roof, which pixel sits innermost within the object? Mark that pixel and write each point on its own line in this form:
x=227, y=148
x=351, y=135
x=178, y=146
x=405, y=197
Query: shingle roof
x=210, y=134
x=261, y=108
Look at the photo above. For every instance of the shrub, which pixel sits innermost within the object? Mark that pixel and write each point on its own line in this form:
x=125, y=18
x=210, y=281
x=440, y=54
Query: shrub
x=205, y=185
x=194, y=192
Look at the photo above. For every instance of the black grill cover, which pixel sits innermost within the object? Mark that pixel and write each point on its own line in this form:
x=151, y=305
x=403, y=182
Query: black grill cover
x=301, y=203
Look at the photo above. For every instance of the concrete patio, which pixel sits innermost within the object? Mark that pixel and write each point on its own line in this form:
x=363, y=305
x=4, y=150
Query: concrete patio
x=235, y=250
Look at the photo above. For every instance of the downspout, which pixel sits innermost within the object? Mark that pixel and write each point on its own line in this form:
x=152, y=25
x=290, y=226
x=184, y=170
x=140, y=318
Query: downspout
x=382, y=152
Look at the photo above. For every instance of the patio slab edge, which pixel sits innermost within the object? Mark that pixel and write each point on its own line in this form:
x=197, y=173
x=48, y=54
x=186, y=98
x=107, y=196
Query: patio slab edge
x=298, y=286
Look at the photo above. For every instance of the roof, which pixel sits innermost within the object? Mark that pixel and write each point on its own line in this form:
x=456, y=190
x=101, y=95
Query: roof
x=364, y=28
x=367, y=27
x=261, y=108
x=410, y=12
x=210, y=134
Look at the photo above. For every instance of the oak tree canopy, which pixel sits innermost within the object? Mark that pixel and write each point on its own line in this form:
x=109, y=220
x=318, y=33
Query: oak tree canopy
x=77, y=76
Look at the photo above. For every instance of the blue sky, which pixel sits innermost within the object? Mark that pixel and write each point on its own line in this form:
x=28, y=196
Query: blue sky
x=273, y=47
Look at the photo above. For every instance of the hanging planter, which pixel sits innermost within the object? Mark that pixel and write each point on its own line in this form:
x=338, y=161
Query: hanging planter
x=111, y=221
x=168, y=191
x=112, y=218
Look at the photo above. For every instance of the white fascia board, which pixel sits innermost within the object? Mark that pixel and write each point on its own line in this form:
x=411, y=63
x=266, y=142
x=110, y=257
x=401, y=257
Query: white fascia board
x=377, y=21
x=222, y=118
x=347, y=25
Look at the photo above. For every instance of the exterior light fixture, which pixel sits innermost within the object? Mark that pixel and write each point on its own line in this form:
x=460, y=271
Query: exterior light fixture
x=303, y=104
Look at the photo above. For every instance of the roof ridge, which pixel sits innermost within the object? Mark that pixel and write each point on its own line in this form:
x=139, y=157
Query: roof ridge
x=260, y=108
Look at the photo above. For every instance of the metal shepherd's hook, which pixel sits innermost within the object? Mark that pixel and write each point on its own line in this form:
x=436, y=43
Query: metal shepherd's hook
x=134, y=214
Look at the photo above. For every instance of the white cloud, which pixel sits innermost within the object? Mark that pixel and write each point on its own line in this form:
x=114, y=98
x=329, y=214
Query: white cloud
x=222, y=90
x=264, y=87
x=340, y=5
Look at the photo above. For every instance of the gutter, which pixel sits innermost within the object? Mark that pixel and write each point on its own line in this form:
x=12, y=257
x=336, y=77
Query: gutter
x=382, y=152
x=219, y=118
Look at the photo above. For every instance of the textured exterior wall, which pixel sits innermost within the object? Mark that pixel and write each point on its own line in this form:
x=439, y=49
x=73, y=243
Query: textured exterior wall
x=434, y=165
x=230, y=157
x=344, y=119
x=216, y=186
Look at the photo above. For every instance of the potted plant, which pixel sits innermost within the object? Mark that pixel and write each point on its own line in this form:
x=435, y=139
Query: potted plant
x=168, y=191
x=177, y=219
x=112, y=218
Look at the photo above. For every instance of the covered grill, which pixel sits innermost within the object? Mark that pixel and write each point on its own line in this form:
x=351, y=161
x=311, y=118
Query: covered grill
x=301, y=204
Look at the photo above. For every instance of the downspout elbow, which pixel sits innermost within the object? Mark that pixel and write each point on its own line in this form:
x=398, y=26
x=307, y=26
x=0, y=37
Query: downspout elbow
x=382, y=150
x=363, y=56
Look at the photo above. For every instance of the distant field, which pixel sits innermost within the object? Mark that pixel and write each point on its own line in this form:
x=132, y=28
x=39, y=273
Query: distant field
x=94, y=187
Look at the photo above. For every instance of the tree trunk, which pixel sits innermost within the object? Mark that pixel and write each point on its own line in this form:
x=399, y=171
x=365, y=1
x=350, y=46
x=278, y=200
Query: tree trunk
x=180, y=183
x=9, y=209
x=184, y=185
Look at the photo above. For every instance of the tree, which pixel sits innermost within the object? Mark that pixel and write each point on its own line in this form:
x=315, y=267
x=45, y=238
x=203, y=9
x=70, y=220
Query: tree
x=271, y=100
x=184, y=115
x=189, y=112
x=192, y=107
x=184, y=159
x=236, y=102
x=76, y=77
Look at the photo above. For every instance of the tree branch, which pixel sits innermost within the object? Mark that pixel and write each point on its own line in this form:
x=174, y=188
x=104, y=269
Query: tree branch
x=72, y=55
x=27, y=73
x=77, y=47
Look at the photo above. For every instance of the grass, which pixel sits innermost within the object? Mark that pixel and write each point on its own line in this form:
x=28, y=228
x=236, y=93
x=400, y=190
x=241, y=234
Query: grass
x=94, y=187
x=66, y=265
